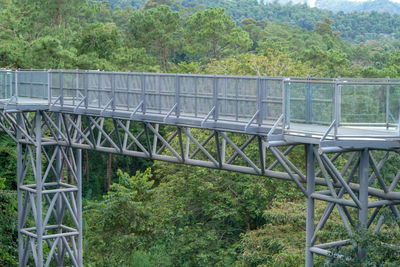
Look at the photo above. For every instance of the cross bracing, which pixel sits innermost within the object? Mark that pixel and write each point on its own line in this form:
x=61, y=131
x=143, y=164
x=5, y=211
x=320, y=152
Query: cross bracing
x=244, y=124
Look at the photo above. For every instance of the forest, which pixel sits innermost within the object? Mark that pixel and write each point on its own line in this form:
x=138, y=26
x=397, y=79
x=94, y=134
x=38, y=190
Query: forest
x=143, y=213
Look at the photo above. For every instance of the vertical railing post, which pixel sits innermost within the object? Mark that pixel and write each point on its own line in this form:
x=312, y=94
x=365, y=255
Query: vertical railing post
x=128, y=86
x=16, y=85
x=11, y=84
x=286, y=102
x=337, y=104
x=196, y=82
x=113, y=91
x=30, y=83
x=387, y=102
x=308, y=101
x=260, y=97
x=49, y=81
x=310, y=204
x=216, y=104
x=86, y=85
x=177, y=95
x=143, y=85
x=225, y=95
x=76, y=95
x=62, y=88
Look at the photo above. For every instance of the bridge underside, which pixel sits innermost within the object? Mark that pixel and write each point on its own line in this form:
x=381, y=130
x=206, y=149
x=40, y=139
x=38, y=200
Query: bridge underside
x=348, y=179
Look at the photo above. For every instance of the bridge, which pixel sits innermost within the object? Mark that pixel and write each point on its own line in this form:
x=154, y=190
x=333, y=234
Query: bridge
x=53, y=114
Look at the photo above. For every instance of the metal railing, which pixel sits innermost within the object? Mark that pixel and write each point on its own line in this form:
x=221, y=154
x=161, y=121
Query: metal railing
x=310, y=105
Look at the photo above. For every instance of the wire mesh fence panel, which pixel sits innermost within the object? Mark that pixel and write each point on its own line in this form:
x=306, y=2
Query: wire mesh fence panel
x=55, y=85
x=73, y=87
x=205, y=95
x=121, y=91
x=134, y=96
x=189, y=96
x=363, y=104
x=92, y=91
x=228, y=92
x=6, y=85
x=237, y=98
x=297, y=102
x=105, y=89
x=247, y=98
x=160, y=93
x=272, y=99
x=32, y=84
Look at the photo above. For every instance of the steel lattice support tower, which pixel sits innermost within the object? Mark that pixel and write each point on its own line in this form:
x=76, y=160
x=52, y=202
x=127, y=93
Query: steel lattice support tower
x=49, y=207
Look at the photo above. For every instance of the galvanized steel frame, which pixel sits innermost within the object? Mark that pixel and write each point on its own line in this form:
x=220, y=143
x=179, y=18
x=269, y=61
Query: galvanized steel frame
x=54, y=134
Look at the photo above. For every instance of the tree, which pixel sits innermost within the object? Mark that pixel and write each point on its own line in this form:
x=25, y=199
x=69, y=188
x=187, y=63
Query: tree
x=8, y=226
x=213, y=33
x=324, y=26
x=119, y=224
x=100, y=38
x=278, y=64
x=157, y=30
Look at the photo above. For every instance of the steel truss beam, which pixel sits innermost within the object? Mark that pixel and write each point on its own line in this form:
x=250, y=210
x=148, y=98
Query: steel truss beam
x=49, y=143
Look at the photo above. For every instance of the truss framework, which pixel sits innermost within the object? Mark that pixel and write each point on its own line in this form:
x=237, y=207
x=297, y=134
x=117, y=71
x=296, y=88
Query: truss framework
x=351, y=206
x=49, y=208
x=50, y=142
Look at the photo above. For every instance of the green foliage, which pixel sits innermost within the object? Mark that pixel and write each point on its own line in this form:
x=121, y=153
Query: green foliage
x=355, y=6
x=382, y=249
x=119, y=224
x=8, y=225
x=157, y=30
x=213, y=33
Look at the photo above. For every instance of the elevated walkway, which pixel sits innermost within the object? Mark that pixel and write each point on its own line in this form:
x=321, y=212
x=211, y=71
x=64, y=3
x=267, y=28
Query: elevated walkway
x=348, y=127
x=302, y=109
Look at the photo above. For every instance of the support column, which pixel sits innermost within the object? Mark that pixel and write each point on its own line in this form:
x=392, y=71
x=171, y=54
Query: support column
x=310, y=203
x=19, y=192
x=363, y=176
x=44, y=204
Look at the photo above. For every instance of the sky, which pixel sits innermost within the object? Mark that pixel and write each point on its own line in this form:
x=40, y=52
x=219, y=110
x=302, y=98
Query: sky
x=312, y=2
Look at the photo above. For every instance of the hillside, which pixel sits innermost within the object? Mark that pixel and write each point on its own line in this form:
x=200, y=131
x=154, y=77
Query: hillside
x=355, y=27
x=367, y=6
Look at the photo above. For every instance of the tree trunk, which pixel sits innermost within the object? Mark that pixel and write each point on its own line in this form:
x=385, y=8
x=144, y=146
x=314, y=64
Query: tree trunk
x=87, y=165
x=109, y=172
x=65, y=167
x=214, y=45
x=164, y=58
